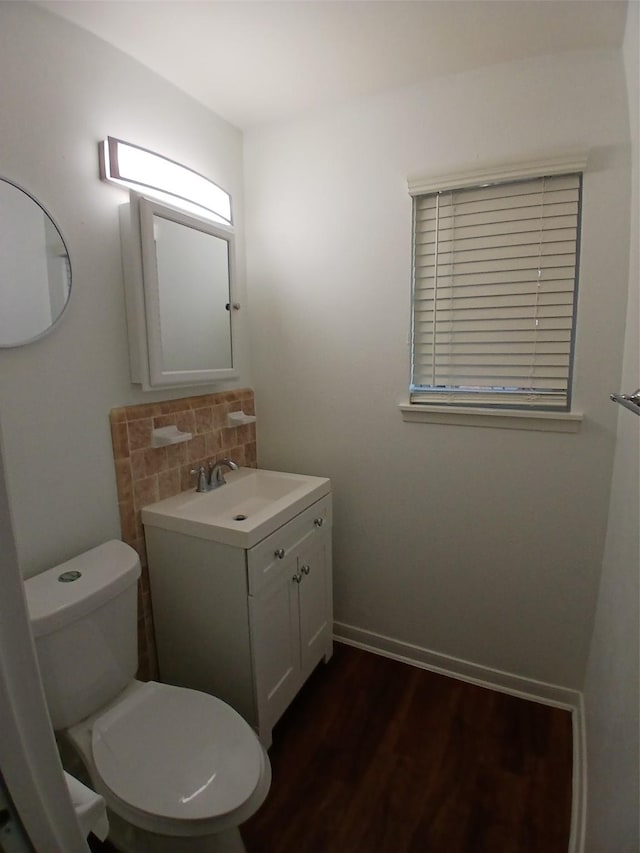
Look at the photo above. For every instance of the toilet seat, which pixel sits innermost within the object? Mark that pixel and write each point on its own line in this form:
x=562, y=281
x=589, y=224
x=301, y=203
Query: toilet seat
x=177, y=758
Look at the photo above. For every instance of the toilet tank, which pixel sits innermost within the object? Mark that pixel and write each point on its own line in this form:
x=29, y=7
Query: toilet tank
x=84, y=621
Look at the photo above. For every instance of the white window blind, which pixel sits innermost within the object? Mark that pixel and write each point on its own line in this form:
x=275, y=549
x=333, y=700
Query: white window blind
x=494, y=293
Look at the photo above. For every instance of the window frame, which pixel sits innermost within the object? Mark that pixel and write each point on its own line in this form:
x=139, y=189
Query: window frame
x=432, y=404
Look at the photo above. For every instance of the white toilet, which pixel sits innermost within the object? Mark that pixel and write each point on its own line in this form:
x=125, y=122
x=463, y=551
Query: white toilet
x=179, y=770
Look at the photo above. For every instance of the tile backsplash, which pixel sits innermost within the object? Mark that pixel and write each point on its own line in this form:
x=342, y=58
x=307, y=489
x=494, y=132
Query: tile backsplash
x=146, y=474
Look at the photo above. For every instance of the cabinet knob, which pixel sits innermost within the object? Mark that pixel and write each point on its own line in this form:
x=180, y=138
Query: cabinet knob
x=305, y=569
x=279, y=553
x=318, y=521
x=297, y=578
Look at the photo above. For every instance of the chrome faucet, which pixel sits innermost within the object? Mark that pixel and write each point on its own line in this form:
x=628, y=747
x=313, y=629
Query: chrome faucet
x=202, y=484
x=216, y=477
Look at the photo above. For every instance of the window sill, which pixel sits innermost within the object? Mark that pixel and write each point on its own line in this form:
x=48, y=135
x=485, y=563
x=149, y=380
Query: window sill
x=496, y=418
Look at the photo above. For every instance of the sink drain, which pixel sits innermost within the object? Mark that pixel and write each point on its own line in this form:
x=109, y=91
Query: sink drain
x=240, y=517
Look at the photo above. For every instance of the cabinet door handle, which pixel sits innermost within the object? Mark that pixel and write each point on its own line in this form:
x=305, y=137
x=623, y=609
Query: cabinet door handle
x=279, y=553
x=297, y=578
x=318, y=521
x=305, y=569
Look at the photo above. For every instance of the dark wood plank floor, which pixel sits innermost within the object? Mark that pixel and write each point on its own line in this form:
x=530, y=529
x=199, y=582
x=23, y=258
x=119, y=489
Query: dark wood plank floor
x=376, y=756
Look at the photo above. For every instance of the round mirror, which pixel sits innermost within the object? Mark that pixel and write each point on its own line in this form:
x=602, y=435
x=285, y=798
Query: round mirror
x=35, y=272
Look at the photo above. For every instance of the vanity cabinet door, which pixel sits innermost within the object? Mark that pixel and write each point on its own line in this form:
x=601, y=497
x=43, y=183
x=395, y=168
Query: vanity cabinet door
x=290, y=609
x=273, y=613
x=315, y=602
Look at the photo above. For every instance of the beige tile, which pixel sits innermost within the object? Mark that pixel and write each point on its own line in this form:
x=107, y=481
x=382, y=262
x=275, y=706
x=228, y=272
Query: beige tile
x=145, y=491
x=237, y=454
x=246, y=433
x=142, y=411
x=141, y=548
x=128, y=522
x=138, y=465
x=118, y=415
x=183, y=419
x=177, y=455
x=187, y=479
x=170, y=406
x=196, y=448
x=229, y=437
x=138, y=525
x=155, y=460
x=124, y=480
x=212, y=444
x=164, y=420
x=145, y=589
x=248, y=405
x=186, y=421
x=203, y=419
x=219, y=416
x=120, y=440
x=251, y=454
x=168, y=483
x=140, y=433
x=203, y=400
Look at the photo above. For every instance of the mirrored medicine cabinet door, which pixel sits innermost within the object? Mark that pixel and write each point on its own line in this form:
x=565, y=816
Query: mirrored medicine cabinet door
x=179, y=275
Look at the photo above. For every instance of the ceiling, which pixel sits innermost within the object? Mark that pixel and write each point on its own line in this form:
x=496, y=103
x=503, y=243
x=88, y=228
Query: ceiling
x=259, y=62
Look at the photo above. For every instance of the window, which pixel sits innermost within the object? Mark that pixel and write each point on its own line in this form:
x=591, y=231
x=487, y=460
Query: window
x=495, y=273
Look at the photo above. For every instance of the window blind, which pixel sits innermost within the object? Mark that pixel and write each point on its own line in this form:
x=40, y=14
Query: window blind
x=494, y=293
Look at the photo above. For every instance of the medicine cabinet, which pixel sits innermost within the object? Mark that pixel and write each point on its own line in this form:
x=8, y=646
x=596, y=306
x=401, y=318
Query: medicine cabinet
x=179, y=280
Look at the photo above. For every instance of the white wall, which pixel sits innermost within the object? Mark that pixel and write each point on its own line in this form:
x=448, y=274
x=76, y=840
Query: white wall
x=483, y=544
x=64, y=91
x=611, y=689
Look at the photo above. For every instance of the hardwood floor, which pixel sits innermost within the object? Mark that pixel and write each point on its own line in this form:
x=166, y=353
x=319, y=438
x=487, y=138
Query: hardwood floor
x=376, y=756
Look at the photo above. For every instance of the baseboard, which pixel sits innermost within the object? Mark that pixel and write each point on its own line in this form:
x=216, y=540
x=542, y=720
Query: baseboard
x=494, y=679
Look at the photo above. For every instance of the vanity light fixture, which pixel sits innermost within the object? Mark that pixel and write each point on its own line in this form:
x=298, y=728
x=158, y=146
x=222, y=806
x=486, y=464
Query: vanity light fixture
x=154, y=175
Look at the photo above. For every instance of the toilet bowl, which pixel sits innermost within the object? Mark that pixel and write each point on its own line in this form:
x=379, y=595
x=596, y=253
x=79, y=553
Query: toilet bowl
x=179, y=770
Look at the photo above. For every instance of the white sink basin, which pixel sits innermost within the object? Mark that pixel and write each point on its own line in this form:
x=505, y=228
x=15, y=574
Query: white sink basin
x=251, y=505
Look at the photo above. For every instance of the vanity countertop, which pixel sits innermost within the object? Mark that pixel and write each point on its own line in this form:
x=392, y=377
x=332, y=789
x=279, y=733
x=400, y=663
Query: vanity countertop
x=251, y=505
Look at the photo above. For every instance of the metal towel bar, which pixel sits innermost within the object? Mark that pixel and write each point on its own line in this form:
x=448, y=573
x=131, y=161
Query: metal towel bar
x=629, y=401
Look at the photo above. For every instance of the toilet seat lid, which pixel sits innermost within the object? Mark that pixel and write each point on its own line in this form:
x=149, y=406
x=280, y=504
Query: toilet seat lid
x=177, y=753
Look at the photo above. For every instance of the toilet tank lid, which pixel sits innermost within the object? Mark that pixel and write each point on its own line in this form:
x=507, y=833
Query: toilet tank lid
x=60, y=595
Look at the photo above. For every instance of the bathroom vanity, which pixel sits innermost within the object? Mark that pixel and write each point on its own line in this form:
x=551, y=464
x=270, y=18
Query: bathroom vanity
x=241, y=589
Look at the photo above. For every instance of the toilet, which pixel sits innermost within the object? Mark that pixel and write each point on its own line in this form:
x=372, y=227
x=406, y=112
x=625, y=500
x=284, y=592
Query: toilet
x=179, y=770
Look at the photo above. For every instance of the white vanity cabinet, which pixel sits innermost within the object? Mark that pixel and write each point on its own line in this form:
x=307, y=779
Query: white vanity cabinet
x=250, y=625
